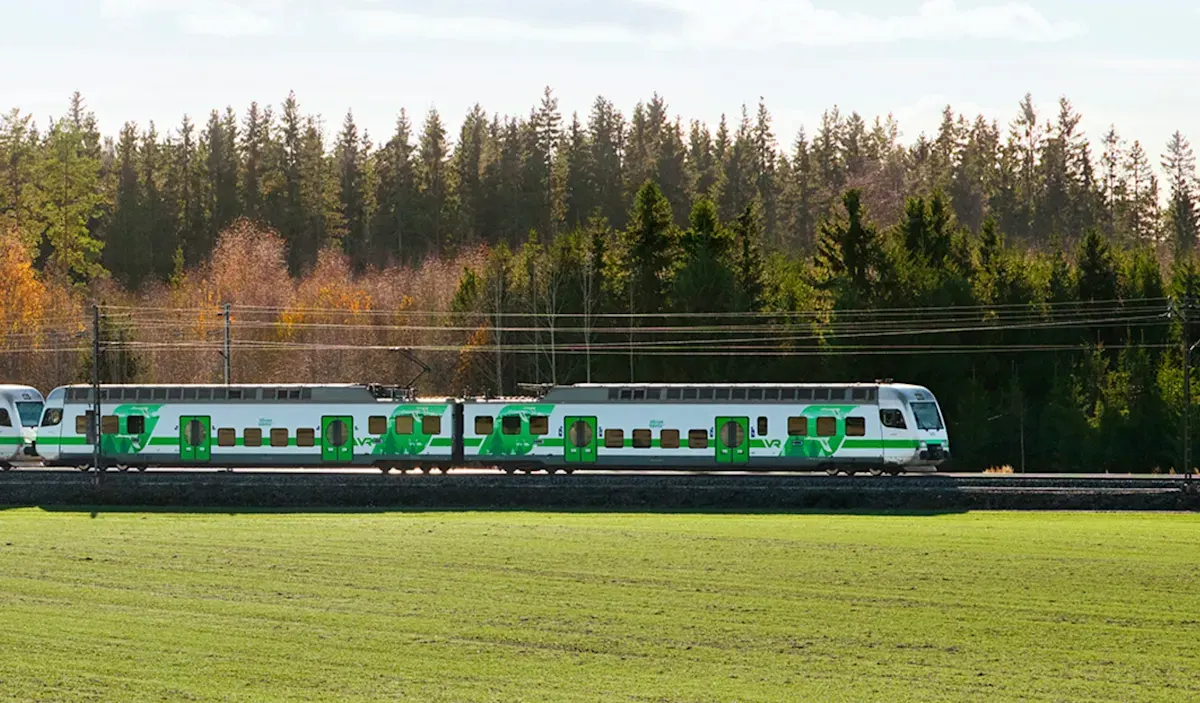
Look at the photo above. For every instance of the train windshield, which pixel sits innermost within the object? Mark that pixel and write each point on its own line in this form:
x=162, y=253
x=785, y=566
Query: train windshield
x=928, y=417
x=30, y=412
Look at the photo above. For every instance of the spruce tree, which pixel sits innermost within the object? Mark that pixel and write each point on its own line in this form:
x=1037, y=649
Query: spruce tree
x=393, y=227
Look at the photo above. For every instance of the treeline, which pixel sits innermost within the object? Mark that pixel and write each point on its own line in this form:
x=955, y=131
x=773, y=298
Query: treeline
x=1036, y=290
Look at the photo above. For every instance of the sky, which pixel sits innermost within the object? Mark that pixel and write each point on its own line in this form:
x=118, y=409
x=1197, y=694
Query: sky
x=1135, y=64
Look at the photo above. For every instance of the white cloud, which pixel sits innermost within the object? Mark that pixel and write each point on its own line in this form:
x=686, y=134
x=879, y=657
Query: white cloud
x=224, y=18
x=744, y=23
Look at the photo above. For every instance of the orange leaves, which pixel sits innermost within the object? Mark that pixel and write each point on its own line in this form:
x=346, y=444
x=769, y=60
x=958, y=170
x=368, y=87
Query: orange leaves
x=23, y=298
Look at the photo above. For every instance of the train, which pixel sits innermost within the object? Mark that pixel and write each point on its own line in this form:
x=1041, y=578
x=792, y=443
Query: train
x=881, y=427
x=20, y=412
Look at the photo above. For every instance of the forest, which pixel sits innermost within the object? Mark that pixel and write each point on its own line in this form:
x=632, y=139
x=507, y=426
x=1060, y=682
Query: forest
x=1039, y=282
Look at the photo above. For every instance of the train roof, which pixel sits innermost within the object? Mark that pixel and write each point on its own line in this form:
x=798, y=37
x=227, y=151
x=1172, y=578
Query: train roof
x=240, y=392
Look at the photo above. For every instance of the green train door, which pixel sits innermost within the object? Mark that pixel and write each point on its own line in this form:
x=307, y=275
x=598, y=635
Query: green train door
x=195, y=438
x=579, y=442
x=337, y=439
x=733, y=440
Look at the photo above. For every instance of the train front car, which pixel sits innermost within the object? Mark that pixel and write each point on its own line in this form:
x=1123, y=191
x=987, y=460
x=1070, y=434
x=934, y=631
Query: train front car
x=20, y=410
x=913, y=426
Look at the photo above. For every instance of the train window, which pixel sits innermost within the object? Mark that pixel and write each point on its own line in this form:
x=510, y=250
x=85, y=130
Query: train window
x=804, y=394
x=706, y=394
x=52, y=417
x=890, y=417
x=626, y=394
x=252, y=437
x=5, y=419
x=431, y=424
x=689, y=393
x=174, y=393
x=205, y=394
x=673, y=394
x=787, y=393
x=613, y=393
x=81, y=423
x=135, y=424
x=821, y=394
x=837, y=394
x=668, y=439
x=642, y=439
x=859, y=394
x=306, y=394
x=698, y=439
x=738, y=394
x=377, y=424
x=226, y=437
x=797, y=426
x=484, y=424
x=614, y=439
x=762, y=427
x=235, y=393
x=639, y=394
x=404, y=424
x=220, y=393
x=110, y=424
x=511, y=424
x=826, y=426
x=279, y=437
x=722, y=394
x=539, y=425
x=189, y=393
x=653, y=394
x=856, y=427
x=306, y=437
x=771, y=394
x=159, y=394
x=755, y=394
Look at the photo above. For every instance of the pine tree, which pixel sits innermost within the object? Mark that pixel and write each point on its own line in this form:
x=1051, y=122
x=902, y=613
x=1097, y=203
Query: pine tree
x=468, y=166
x=256, y=143
x=220, y=142
x=606, y=128
x=848, y=252
x=69, y=182
x=739, y=181
x=128, y=253
x=800, y=196
x=1143, y=195
x=547, y=123
x=352, y=194
x=158, y=213
x=579, y=199
x=1115, y=192
x=19, y=157
x=393, y=228
x=1179, y=162
x=765, y=166
x=701, y=162
x=433, y=181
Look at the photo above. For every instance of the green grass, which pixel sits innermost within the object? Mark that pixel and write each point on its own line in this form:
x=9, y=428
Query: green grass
x=585, y=607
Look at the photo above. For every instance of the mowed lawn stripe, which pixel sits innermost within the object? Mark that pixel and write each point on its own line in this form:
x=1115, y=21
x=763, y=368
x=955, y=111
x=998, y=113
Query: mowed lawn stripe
x=598, y=607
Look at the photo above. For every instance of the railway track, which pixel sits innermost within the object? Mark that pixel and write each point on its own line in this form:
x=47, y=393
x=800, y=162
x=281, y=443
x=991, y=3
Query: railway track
x=467, y=489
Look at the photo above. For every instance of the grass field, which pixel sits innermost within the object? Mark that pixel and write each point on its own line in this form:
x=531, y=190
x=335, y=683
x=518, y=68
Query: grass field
x=609, y=607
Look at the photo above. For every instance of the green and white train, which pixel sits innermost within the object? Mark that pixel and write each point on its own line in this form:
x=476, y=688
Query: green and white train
x=20, y=408
x=878, y=427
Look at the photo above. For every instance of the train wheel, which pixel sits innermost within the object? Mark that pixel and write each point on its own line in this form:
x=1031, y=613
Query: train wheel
x=876, y=472
x=509, y=470
x=568, y=471
x=142, y=469
x=123, y=468
x=832, y=471
x=5, y=467
x=84, y=468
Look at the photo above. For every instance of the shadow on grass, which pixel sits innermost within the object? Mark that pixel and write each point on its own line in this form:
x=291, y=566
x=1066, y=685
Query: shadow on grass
x=98, y=510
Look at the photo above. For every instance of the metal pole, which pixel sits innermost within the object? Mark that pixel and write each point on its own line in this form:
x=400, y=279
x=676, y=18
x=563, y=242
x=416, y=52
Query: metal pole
x=96, y=389
x=227, y=361
x=1187, y=387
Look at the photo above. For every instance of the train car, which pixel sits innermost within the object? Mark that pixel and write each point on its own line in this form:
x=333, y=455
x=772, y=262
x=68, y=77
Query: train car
x=246, y=426
x=20, y=410
x=880, y=427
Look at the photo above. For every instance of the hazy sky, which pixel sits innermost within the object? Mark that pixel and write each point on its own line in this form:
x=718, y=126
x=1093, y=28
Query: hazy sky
x=1133, y=63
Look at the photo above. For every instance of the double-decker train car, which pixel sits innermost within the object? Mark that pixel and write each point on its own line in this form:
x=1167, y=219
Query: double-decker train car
x=20, y=409
x=880, y=427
